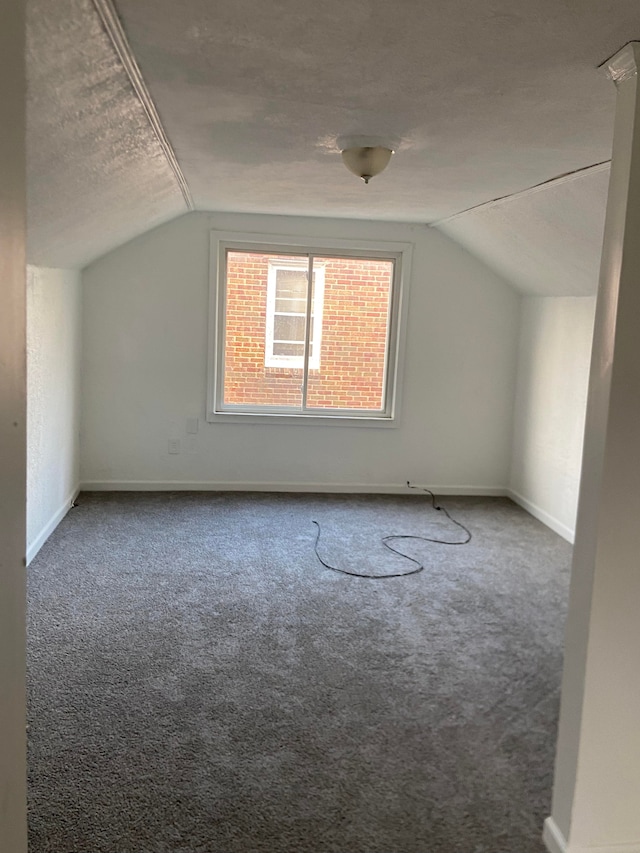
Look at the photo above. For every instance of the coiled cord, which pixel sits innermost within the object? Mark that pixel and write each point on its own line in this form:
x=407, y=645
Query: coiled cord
x=386, y=540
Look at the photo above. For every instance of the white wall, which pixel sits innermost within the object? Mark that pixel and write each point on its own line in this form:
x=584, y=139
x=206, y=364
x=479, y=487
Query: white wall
x=13, y=811
x=596, y=789
x=550, y=403
x=53, y=393
x=144, y=373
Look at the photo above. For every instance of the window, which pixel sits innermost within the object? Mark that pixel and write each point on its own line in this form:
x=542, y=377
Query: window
x=305, y=332
x=286, y=315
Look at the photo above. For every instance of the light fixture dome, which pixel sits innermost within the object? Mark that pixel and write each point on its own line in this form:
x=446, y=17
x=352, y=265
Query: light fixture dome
x=366, y=161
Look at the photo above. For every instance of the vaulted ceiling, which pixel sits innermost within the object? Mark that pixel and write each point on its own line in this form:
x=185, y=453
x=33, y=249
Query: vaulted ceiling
x=141, y=109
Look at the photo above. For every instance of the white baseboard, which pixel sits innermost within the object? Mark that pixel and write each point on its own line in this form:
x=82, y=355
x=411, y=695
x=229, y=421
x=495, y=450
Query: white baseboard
x=244, y=486
x=50, y=526
x=216, y=486
x=555, y=843
x=542, y=515
x=553, y=838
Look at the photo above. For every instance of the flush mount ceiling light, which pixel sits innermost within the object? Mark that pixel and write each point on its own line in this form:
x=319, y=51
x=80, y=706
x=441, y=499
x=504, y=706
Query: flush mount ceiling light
x=366, y=161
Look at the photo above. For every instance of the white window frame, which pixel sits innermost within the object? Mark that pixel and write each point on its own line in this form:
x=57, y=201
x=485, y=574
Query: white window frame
x=223, y=241
x=293, y=361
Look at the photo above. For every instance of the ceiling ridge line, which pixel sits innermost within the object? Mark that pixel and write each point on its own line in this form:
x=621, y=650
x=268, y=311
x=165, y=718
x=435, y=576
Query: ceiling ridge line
x=113, y=26
x=564, y=178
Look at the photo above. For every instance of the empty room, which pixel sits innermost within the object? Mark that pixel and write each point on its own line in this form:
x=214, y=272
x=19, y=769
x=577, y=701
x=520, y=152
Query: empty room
x=319, y=427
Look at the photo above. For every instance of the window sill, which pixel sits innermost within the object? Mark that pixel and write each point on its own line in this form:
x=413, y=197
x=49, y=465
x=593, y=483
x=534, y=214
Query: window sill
x=279, y=419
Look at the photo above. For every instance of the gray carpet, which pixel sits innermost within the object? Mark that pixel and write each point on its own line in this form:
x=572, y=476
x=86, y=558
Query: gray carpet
x=199, y=683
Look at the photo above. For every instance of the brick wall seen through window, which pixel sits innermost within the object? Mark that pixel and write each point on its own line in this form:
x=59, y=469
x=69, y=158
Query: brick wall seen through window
x=350, y=317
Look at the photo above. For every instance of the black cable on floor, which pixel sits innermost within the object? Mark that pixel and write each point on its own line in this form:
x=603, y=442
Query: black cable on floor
x=392, y=537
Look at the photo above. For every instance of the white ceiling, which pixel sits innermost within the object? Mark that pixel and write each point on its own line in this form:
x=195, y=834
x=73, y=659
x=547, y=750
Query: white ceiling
x=97, y=175
x=546, y=242
x=481, y=98
x=484, y=97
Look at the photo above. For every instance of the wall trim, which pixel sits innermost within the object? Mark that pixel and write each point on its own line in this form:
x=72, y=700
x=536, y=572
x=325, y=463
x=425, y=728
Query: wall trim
x=555, y=843
x=114, y=29
x=322, y=488
x=51, y=525
x=553, y=838
x=225, y=486
x=542, y=515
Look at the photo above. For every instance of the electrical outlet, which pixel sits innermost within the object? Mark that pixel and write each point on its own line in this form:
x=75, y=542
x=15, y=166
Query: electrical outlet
x=174, y=445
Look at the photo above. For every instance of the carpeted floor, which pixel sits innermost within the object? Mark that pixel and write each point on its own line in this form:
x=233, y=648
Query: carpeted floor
x=198, y=683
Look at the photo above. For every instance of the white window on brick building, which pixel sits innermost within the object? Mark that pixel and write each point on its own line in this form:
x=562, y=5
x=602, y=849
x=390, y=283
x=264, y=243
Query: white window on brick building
x=306, y=332
x=286, y=323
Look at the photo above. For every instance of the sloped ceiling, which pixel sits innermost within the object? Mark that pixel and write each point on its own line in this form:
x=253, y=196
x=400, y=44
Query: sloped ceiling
x=480, y=98
x=547, y=241
x=97, y=175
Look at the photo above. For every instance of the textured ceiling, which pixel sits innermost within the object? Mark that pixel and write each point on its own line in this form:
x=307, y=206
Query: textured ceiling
x=481, y=98
x=546, y=242
x=97, y=175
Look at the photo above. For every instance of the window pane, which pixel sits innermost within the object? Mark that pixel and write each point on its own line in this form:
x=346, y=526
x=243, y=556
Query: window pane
x=291, y=306
x=282, y=348
x=287, y=327
x=292, y=283
x=355, y=329
x=265, y=323
x=247, y=380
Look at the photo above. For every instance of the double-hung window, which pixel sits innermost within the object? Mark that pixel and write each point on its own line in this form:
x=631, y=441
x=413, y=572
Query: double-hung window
x=287, y=314
x=305, y=331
